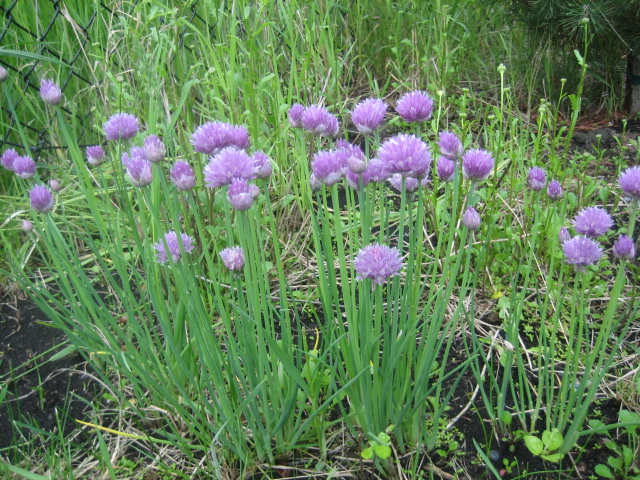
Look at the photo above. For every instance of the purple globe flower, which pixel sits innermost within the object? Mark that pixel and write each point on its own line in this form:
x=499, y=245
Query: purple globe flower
x=24, y=167
x=8, y=157
x=407, y=155
x=27, y=226
x=415, y=107
x=471, y=219
x=121, y=126
x=353, y=179
x=592, y=222
x=139, y=170
x=227, y=165
x=183, y=176
x=172, y=248
x=241, y=194
x=319, y=121
x=328, y=167
x=212, y=137
x=154, y=150
x=446, y=169
x=233, y=258
x=554, y=190
x=624, y=248
x=410, y=183
x=564, y=235
x=95, y=155
x=262, y=165
x=295, y=115
x=450, y=146
x=41, y=199
x=50, y=92
x=629, y=182
x=3, y=74
x=477, y=165
x=350, y=156
x=368, y=114
x=377, y=262
x=537, y=178
x=581, y=252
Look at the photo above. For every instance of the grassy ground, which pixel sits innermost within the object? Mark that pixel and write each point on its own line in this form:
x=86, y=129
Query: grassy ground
x=165, y=407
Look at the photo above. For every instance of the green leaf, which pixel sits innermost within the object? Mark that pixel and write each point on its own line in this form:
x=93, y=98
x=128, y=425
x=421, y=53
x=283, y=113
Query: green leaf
x=367, y=453
x=579, y=57
x=626, y=416
x=27, y=56
x=534, y=444
x=25, y=473
x=627, y=454
x=63, y=353
x=552, y=440
x=615, y=463
x=506, y=418
x=556, y=457
x=603, y=471
x=384, y=438
x=382, y=451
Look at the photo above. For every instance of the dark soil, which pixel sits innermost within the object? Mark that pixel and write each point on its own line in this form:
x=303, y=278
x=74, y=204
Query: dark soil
x=38, y=389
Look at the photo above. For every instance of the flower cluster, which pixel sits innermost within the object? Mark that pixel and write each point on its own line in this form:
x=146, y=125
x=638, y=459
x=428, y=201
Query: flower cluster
x=50, y=92
x=581, y=252
x=169, y=246
x=41, y=199
x=121, y=126
x=592, y=222
x=406, y=155
x=233, y=258
x=477, y=165
x=377, y=262
x=95, y=155
x=319, y=121
x=415, y=107
x=212, y=137
x=368, y=115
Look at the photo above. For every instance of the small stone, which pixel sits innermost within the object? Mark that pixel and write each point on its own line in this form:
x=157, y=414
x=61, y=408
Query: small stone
x=494, y=455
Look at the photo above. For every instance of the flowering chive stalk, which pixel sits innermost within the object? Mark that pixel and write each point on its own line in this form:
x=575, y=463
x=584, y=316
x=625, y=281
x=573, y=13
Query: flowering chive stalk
x=41, y=199
x=24, y=167
x=95, y=155
x=415, y=107
x=592, y=222
x=169, y=247
x=368, y=115
x=50, y=92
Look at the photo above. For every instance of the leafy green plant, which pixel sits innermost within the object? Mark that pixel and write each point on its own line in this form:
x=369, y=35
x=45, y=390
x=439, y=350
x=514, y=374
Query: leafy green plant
x=546, y=446
x=623, y=463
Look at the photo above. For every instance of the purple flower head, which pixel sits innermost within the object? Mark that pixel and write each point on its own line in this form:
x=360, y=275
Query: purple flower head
x=121, y=126
x=295, y=115
x=630, y=182
x=139, y=171
x=446, y=169
x=319, y=121
x=377, y=170
x=407, y=155
x=477, y=165
x=27, y=226
x=410, y=183
x=24, y=167
x=262, y=165
x=554, y=190
x=230, y=163
x=50, y=92
x=95, y=155
x=368, y=114
x=172, y=248
x=353, y=179
x=450, y=146
x=328, y=167
x=183, y=176
x=564, y=235
x=212, y=137
x=342, y=143
x=233, y=258
x=8, y=157
x=41, y=199
x=3, y=74
x=624, y=248
x=537, y=178
x=471, y=219
x=415, y=107
x=592, y=222
x=54, y=185
x=377, y=262
x=348, y=154
x=581, y=252
x=241, y=194
x=154, y=149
